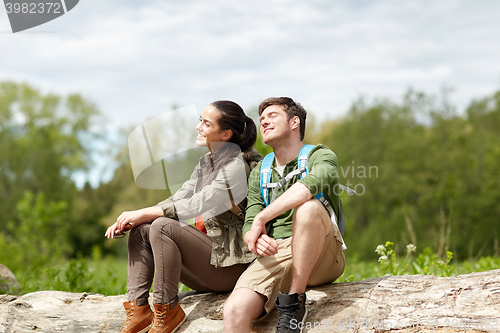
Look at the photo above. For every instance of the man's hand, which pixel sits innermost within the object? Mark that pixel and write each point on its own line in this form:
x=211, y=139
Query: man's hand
x=258, y=241
x=267, y=246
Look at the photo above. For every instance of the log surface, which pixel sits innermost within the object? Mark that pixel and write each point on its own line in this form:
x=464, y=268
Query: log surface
x=416, y=303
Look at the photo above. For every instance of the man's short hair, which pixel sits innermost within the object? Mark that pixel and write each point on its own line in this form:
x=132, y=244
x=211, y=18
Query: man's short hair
x=292, y=109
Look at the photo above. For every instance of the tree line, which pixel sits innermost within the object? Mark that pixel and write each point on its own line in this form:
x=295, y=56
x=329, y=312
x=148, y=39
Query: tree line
x=424, y=175
x=438, y=181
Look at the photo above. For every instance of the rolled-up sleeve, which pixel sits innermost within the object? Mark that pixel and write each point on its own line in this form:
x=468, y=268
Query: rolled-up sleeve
x=323, y=170
x=255, y=203
x=185, y=191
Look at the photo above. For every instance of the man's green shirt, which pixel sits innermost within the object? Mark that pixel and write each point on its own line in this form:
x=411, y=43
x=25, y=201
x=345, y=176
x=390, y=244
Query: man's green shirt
x=322, y=177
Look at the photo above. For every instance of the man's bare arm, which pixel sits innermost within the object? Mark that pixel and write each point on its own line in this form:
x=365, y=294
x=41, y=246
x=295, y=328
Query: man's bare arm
x=296, y=195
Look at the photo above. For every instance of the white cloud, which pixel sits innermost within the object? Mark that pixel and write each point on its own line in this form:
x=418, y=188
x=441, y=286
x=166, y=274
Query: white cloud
x=135, y=59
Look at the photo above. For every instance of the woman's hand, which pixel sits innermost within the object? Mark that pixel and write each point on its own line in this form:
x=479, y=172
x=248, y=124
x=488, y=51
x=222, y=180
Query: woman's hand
x=114, y=231
x=128, y=220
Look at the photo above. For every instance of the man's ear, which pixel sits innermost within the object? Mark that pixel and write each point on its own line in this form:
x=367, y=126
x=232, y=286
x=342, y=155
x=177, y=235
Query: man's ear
x=295, y=122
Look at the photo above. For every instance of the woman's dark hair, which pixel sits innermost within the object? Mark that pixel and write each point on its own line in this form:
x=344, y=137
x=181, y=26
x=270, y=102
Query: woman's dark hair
x=232, y=117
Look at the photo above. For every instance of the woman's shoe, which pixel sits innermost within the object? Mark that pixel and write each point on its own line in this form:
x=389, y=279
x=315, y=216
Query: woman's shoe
x=167, y=317
x=139, y=318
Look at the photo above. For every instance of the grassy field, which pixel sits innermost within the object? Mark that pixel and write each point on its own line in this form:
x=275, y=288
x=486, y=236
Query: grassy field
x=108, y=276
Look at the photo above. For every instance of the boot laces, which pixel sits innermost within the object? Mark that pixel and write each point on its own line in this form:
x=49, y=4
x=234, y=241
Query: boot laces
x=158, y=320
x=285, y=315
x=128, y=320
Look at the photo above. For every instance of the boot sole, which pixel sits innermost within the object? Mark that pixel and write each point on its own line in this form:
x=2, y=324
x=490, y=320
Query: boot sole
x=144, y=330
x=304, y=320
x=180, y=324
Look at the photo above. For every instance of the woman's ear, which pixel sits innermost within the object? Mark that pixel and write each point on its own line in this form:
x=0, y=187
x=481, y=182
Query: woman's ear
x=226, y=136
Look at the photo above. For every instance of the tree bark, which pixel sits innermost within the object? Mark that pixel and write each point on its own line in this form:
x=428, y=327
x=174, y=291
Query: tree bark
x=416, y=303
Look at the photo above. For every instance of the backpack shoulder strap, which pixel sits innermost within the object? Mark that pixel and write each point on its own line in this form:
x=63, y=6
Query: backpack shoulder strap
x=265, y=172
x=302, y=159
x=265, y=176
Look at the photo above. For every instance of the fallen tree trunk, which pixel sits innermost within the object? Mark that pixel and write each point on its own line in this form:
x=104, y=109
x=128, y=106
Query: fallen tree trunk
x=416, y=303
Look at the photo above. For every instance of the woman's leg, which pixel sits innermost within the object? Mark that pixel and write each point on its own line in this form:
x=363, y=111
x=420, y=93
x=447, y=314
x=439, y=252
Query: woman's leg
x=140, y=264
x=182, y=253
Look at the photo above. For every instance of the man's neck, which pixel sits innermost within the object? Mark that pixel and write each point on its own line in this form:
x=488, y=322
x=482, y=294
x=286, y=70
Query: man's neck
x=285, y=153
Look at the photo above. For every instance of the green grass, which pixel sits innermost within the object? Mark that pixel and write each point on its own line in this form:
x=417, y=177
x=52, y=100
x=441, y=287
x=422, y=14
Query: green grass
x=356, y=270
x=425, y=263
x=108, y=275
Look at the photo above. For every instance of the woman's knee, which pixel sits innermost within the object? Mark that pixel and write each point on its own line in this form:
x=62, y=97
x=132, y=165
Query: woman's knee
x=162, y=225
x=139, y=233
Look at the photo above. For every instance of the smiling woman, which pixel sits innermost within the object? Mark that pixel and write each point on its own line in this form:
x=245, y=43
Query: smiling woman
x=163, y=248
x=209, y=129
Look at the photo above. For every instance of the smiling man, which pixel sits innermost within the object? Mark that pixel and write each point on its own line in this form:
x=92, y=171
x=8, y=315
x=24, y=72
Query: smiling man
x=288, y=224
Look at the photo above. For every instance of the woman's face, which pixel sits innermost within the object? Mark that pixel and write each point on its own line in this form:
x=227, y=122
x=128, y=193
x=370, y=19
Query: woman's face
x=209, y=130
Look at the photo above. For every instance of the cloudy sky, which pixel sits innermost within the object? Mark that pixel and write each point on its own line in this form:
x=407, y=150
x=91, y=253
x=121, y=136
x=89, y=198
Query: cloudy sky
x=135, y=59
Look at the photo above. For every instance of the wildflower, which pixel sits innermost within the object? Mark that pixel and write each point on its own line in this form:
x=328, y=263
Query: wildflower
x=380, y=250
x=382, y=258
x=411, y=248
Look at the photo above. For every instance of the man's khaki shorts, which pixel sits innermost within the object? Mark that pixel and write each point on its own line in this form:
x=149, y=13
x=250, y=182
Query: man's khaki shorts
x=269, y=275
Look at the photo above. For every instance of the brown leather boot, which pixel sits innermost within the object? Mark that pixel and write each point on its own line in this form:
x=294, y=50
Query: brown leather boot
x=168, y=317
x=139, y=318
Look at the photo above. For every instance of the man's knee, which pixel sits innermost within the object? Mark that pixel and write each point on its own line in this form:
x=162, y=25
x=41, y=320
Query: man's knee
x=243, y=306
x=311, y=212
x=231, y=309
x=234, y=312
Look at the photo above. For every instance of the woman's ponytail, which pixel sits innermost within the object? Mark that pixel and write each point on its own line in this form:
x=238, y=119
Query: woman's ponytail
x=249, y=135
x=232, y=117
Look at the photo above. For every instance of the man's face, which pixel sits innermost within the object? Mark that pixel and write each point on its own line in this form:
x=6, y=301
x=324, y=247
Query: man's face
x=274, y=124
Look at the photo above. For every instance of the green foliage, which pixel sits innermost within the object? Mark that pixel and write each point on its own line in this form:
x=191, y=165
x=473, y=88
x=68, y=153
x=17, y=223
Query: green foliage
x=39, y=235
x=387, y=258
x=425, y=176
x=42, y=143
x=483, y=264
x=106, y=276
x=426, y=263
x=434, y=174
x=44, y=139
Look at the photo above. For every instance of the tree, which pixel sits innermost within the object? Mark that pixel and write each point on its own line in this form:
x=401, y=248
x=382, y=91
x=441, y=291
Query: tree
x=434, y=178
x=43, y=139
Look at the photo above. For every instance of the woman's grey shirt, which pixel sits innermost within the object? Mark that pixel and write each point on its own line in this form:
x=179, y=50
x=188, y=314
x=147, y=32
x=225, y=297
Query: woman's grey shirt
x=212, y=200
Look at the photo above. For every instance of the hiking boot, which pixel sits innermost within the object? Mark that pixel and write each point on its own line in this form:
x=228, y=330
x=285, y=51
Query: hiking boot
x=139, y=318
x=167, y=317
x=291, y=312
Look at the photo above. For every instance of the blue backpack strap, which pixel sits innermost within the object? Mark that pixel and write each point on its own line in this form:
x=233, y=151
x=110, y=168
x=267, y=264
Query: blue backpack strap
x=265, y=184
x=265, y=176
x=302, y=159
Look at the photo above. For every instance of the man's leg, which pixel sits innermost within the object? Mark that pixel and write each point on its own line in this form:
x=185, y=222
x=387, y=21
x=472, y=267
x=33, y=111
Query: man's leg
x=311, y=224
x=242, y=307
